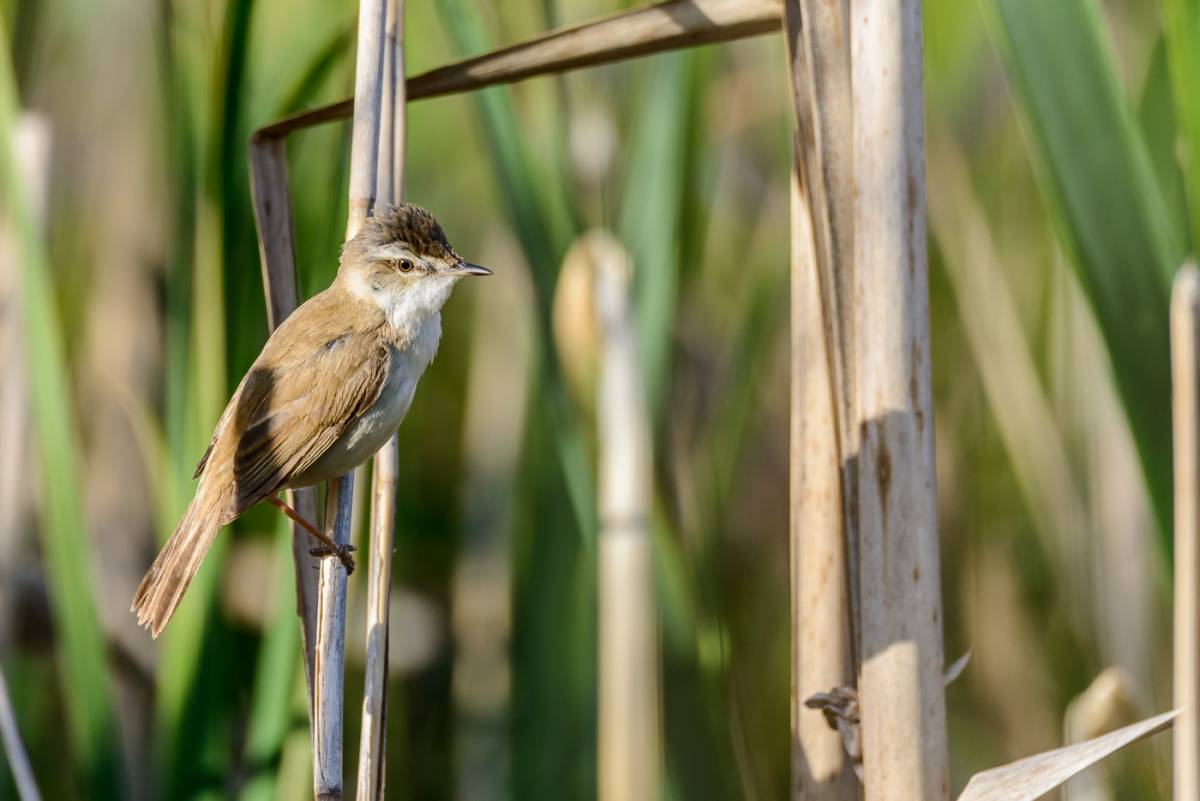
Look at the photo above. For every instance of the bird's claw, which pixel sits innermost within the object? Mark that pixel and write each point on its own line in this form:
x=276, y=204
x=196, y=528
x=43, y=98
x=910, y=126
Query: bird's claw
x=342, y=552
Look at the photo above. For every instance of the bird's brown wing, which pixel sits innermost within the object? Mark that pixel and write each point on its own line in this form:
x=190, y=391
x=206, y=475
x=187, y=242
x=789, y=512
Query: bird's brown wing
x=284, y=417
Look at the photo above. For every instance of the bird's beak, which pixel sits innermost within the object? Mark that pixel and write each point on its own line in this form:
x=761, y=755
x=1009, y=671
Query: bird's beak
x=466, y=268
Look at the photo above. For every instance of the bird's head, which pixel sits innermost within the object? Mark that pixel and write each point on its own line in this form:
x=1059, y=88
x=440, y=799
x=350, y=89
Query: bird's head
x=402, y=261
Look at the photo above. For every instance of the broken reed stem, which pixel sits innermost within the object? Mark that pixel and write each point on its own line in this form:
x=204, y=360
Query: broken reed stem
x=900, y=684
x=330, y=647
x=658, y=28
x=14, y=748
x=273, y=217
x=628, y=702
x=821, y=770
x=1185, y=350
x=372, y=748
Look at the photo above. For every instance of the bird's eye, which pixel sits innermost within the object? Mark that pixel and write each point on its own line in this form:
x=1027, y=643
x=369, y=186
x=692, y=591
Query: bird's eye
x=405, y=265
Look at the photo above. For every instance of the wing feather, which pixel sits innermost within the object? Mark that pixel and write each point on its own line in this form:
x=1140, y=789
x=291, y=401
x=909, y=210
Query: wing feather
x=288, y=417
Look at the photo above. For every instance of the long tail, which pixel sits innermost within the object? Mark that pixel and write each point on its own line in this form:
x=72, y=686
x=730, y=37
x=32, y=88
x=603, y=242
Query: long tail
x=165, y=582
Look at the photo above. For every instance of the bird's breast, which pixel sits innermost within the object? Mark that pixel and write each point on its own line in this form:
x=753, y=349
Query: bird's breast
x=367, y=434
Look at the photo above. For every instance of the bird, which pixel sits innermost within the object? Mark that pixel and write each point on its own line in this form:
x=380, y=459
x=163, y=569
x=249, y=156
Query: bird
x=331, y=384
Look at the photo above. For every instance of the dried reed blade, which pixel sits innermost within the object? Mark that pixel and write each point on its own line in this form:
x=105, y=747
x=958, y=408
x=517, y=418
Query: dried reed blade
x=1032, y=777
x=665, y=26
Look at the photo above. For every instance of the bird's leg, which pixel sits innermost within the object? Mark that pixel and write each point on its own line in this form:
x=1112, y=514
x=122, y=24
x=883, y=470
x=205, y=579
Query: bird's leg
x=329, y=547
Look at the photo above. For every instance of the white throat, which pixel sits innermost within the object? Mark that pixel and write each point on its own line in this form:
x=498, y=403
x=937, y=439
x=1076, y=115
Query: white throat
x=409, y=309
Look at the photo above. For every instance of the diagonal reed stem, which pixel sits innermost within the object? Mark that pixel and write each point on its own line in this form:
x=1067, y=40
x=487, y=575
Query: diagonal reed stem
x=672, y=25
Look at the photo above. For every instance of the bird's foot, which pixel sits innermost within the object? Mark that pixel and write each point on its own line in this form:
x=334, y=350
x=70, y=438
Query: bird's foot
x=342, y=552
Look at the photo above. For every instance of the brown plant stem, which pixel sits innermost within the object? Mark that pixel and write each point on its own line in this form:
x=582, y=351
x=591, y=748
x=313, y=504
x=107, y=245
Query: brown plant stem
x=820, y=628
x=823, y=498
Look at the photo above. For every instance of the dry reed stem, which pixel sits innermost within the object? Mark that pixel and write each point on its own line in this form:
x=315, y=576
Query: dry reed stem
x=628, y=695
x=819, y=57
x=643, y=31
x=372, y=748
x=823, y=531
x=900, y=684
x=821, y=770
x=14, y=748
x=1185, y=350
x=331, y=648
x=273, y=216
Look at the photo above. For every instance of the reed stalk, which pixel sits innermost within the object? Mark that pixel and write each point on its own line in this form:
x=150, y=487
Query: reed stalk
x=628, y=737
x=273, y=217
x=372, y=749
x=822, y=525
x=329, y=672
x=900, y=681
x=1185, y=350
x=820, y=632
x=819, y=58
x=331, y=613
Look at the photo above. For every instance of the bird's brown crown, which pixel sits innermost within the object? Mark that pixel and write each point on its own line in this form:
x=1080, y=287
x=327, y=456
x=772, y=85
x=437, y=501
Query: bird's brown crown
x=406, y=223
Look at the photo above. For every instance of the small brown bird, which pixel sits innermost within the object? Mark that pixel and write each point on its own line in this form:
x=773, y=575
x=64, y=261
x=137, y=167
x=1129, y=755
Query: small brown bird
x=331, y=385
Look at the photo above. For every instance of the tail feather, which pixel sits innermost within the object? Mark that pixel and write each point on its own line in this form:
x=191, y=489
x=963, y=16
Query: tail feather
x=162, y=589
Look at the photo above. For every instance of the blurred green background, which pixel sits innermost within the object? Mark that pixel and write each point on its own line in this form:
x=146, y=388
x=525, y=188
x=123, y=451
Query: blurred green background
x=1063, y=148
